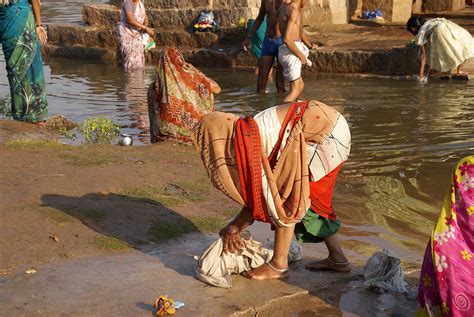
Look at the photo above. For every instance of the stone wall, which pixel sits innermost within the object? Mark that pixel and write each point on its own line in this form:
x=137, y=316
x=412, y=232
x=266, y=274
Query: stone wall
x=397, y=11
x=339, y=11
x=316, y=12
x=323, y=12
x=355, y=9
x=417, y=6
x=442, y=5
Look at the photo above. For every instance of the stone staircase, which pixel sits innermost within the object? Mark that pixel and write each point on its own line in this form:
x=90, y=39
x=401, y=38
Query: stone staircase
x=172, y=20
x=182, y=13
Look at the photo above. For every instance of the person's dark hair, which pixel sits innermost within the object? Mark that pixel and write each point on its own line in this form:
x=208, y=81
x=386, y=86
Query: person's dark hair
x=414, y=24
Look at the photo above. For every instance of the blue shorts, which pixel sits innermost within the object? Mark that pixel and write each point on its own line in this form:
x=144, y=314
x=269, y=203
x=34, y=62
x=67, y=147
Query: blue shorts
x=270, y=46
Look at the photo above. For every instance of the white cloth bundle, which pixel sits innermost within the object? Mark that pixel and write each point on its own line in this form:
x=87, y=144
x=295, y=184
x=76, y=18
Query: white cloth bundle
x=215, y=267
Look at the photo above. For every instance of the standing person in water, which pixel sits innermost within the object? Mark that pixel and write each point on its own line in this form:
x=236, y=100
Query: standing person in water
x=21, y=33
x=293, y=54
x=444, y=45
x=133, y=23
x=271, y=43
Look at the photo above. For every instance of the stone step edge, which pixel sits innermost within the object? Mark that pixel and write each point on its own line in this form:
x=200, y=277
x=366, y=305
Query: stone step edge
x=95, y=15
x=255, y=311
x=116, y=8
x=211, y=4
x=105, y=37
x=393, y=62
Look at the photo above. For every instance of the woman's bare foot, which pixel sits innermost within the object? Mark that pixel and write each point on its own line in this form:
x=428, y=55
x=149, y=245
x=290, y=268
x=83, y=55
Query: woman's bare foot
x=329, y=265
x=462, y=73
x=267, y=271
x=460, y=70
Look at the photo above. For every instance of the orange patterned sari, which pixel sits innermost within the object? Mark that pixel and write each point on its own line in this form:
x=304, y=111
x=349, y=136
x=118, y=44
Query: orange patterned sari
x=179, y=97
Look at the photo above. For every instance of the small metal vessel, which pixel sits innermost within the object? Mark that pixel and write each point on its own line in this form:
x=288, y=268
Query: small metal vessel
x=125, y=139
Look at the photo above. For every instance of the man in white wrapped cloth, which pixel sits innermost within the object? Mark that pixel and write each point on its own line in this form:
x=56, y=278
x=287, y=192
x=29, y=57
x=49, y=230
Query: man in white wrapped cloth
x=293, y=54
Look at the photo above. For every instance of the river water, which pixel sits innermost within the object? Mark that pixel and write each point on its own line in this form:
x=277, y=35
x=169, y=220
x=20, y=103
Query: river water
x=406, y=136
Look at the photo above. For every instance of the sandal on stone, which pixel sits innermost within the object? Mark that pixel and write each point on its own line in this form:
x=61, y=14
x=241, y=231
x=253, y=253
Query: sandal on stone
x=329, y=265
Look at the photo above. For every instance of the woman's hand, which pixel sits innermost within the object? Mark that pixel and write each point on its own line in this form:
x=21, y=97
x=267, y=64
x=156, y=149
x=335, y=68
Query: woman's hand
x=246, y=43
x=150, y=31
x=422, y=79
x=42, y=35
x=232, y=240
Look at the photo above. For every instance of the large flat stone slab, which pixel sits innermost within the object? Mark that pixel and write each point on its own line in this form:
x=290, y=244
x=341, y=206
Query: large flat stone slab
x=90, y=36
x=73, y=52
x=396, y=11
x=443, y=5
x=171, y=18
x=187, y=4
x=127, y=284
x=166, y=18
x=101, y=14
x=401, y=61
x=106, y=37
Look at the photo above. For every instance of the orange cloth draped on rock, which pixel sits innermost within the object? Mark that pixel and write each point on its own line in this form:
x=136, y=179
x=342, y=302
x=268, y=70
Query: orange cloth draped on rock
x=178, y=98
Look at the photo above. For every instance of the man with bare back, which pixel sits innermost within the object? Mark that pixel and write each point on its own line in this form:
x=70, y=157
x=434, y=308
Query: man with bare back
x=293, y=53
x=271, y=43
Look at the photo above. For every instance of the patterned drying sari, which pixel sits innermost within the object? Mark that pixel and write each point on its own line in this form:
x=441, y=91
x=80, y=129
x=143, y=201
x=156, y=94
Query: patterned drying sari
x=179, y=97
x=447, y=274
x=23, y=62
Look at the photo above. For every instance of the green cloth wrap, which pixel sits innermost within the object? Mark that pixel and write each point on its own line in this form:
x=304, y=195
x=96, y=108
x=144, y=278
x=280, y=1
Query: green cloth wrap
x=314, y=228
x=257, y=38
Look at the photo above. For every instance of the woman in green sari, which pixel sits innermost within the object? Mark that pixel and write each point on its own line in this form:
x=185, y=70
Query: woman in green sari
x=20, y=34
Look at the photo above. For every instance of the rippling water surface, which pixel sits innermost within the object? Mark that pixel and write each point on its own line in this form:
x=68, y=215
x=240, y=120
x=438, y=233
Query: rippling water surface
x=405, y=136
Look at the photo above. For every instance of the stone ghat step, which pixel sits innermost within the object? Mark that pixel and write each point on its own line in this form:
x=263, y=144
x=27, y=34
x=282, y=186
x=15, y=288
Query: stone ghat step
x=106, y=37
x=188, y=4
x=107, y=15
x=203, y=57
x=399, y=61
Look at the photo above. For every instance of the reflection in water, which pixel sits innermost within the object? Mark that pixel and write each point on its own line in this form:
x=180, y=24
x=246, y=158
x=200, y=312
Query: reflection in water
x=135, y=92
x=388, y=205
x=405, y=138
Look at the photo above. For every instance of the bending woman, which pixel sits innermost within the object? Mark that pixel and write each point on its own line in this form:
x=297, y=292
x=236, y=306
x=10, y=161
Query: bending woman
x=446, y=285
x=444, y=45
x=19, y=34
x=133, y=21
x=281, y=166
